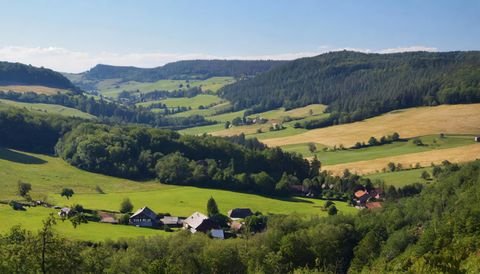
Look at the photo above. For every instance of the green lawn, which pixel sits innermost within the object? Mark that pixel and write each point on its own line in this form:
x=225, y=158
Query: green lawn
x=431, y=142
x=112, y=87
x=204, y=112
x=193, y=102
x=48, y=175
x=402, y=178
x=49, y=108
x=202, y=129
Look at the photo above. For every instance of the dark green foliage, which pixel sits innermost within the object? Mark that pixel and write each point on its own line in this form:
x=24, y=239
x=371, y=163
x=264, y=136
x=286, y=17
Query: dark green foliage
x=126, y=206
x=212, y=208
x=332, y=210
x=195, y=69
x=67, y=193
x=357, y=85
x=124, y=219
x=23, y=188
x=20, y=74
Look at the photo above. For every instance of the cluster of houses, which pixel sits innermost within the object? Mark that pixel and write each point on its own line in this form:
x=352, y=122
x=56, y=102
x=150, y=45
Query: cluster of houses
x=197, y=222
x=368, y=199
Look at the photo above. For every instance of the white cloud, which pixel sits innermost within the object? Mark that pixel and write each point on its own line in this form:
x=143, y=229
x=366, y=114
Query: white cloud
x=66, y=60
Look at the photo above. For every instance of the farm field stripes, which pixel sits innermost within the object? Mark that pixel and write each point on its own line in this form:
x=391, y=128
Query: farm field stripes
x=456, y=155
x=33, y=88
x=408, y=123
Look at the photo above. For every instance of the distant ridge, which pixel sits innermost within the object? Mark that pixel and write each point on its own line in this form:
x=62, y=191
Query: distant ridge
x=21, y=74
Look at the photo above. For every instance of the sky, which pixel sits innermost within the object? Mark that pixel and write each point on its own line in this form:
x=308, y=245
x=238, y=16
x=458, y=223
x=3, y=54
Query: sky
x=73, y=36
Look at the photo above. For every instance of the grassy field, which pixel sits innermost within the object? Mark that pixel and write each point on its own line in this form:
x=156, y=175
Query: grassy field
x=205, y=112
x=48, y=175
x=36, y=89
x=193, y=102
x=112, y=88
x=402, y=178
x=408, y=123
x=431, y=142
x=455, y=155
x=49, y=108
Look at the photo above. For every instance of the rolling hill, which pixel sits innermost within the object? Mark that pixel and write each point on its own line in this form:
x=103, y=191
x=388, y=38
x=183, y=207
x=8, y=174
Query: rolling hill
x=15, y=75
x=356, y=85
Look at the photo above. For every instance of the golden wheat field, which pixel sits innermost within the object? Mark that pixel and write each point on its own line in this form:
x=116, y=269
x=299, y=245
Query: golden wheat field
x=455, y=155
x=454, y=119
x=36, y=89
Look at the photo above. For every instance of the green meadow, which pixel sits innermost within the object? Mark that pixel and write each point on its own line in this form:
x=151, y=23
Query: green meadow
x=402, y=178
x=48, y=175
x=193, y=102
x=431, y=142
x=112, y=87
x=48, y=108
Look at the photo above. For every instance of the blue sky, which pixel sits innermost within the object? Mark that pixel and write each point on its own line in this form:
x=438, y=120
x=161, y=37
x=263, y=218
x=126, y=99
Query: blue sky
x=75, y=35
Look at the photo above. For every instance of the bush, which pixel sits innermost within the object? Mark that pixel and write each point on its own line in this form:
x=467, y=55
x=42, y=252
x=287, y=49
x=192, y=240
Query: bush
x=126, y=206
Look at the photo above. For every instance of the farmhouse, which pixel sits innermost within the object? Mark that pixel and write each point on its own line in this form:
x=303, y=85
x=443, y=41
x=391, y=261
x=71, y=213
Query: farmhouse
x=64, y=212
x=171, y=221
x=240, y=213
x=198, y=222
x=144, y=217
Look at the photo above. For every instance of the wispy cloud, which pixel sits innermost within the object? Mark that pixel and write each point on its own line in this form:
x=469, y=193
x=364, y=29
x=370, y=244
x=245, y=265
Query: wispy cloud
x=66, y=60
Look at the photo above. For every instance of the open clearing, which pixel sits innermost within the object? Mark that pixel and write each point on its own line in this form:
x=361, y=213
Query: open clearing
x=48, y=175
x=36, y=89
x=49, y=108
x=112, y=87
x=193, y=102
x=456, y=155
x=402, y=178
x=431, y=142
x=408, y=123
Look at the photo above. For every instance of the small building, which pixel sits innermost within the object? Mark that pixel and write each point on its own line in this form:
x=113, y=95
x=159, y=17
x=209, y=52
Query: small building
x=198, y=222
x=240, y=213
x=171, y=221
x=64, y=212
x=477, y=139
x=144, y=217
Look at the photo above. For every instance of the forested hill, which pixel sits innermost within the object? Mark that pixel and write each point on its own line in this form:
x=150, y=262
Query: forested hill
x=194, y=69
x=362, y=84
x=21, y=74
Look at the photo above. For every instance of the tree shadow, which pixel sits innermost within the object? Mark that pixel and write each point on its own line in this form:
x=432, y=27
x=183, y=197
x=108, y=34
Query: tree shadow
x=18, y=157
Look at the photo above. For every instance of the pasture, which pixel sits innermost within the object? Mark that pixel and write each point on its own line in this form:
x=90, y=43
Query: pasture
x=193, y=102
x=36, y=89
x=449, y=119
x=48, y=175
x=49, y=108
x=402, y=178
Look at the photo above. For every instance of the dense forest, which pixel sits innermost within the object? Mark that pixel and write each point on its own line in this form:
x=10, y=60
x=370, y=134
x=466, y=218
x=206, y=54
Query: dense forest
x=435, y=231
x=357, y=85
x=181, y=70
x=20, y=74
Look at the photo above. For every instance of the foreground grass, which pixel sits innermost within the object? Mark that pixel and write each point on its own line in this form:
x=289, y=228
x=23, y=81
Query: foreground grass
x=48, y=175
x=49, y=108
x=32, y=218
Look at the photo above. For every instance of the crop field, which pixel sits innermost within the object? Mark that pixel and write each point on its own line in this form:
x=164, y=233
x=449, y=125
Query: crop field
x=430, y=142
x=48, y=175
x=49, y=108
x=193, y=102
x=454, y=119
x=456, y=155
x=402, y=178
x=112, y=88
x=36, y=89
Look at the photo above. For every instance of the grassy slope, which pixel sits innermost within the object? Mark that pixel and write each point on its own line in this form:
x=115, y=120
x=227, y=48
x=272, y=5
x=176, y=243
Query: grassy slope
x=36, y=89
x=402, y=178
x=112, y=88
x=48, y=175
x=431, y=142
x=49, y=108
x=193, y=102
x=408, y=123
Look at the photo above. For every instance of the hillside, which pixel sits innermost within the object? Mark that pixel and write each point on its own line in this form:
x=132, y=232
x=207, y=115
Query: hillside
x=357, y=85
x=181, y=70
x=16, y=74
